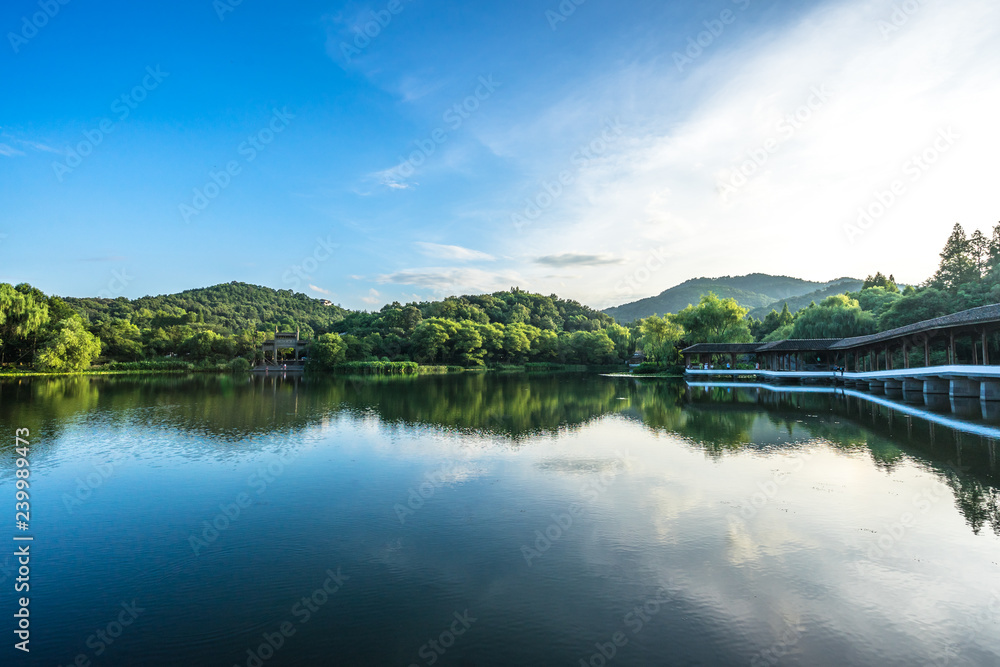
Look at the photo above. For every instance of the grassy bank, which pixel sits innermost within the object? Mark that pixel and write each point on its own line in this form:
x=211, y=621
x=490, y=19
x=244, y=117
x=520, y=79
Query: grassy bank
x=551, y=367
x=238, y=365
x=372, y=368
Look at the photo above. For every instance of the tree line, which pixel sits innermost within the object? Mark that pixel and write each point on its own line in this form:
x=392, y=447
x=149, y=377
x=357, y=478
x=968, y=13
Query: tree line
x=223, y=324
x=968, y=276
x=226, y=324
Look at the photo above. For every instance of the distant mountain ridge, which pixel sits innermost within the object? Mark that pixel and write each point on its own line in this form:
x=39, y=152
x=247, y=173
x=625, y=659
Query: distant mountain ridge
x=797, y=303
x=757, y=291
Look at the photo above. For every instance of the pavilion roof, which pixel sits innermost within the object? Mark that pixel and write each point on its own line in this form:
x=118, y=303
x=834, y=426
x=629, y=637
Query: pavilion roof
x=971, y=317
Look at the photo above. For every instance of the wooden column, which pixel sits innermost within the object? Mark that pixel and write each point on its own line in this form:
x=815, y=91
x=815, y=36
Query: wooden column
x=906, y=355
x=927, y=351
x=986, y=354
x=951, y=347
x=975, y=348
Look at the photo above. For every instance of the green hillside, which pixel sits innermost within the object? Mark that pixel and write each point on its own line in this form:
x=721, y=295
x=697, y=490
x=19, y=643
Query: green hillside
x=797, y=303
x=754, y=291
x=227, y=308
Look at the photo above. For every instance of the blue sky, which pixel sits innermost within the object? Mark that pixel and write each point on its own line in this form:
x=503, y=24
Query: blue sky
x=596, y=151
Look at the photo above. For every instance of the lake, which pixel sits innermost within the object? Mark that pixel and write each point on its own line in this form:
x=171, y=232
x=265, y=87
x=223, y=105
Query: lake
x=491, y=519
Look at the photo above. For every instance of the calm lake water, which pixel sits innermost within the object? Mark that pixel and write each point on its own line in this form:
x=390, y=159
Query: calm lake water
x=496, y=520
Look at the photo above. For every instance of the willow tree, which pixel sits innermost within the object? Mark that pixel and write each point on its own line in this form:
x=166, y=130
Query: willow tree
x=659, y=337
x=23, y=312
x=70, y=348
x=715, y=320
x=837, y=316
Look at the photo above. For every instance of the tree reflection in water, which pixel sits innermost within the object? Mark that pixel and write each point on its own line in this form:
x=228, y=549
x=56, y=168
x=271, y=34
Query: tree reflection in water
x=233, y=411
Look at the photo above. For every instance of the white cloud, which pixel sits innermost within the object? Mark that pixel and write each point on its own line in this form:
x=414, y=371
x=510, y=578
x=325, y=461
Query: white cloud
x=575, y=259
x=393, y=178
x=453, y=252
x=373, y=297
x=446, y=281
x=319, y=290
x=889, y=97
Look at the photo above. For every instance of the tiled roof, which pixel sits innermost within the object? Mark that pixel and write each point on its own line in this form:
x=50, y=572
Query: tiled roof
x=971, y=317
x=722, y=348
x=796, y=344
x=981, y=315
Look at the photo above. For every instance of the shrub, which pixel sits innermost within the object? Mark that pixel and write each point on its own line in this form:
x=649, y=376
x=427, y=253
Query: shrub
x=647, y=368
x=239, y=365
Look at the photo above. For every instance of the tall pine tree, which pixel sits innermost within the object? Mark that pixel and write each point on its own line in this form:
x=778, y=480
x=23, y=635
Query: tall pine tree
x=979, y=252
x=957, y=266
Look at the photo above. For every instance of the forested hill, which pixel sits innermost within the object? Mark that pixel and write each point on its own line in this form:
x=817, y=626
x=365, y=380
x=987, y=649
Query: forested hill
x=797, y=303
x=229, y=307
x=753, y=291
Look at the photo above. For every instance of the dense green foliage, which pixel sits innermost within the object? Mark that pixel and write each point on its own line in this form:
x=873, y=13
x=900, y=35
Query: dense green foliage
x=225, y=309
x=224, y=325
x=513, y=327
x=797, y=303
x=837, y=317
x=69, y=349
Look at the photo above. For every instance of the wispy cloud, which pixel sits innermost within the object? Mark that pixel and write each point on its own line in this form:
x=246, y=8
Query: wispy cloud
x=110, y=258
x=392, y=178
x=9, y=151
x=373, y=297
x=319, y=290
x=573, y=259
x=457, y=253
x=451, y=280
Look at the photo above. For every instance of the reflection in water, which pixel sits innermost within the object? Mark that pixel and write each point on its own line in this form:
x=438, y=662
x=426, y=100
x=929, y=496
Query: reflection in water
x=765, y=515
x=716, y=418
x=890, y=432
